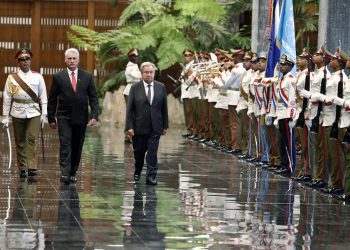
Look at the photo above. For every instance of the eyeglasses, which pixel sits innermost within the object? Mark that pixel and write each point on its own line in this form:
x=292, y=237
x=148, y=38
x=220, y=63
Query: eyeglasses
x=23, y=59
x=187, y=55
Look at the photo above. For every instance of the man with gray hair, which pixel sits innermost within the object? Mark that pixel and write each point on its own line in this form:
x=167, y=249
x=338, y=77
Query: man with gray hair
x=146, y=121
x=75, y=90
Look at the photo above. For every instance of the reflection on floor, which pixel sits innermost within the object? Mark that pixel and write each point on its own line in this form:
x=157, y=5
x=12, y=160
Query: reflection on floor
x=204, y=199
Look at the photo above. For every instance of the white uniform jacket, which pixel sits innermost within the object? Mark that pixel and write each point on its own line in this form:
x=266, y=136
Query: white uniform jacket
x=315, y=88
x=133, y=75
x=302, y=92
x=286, y=107
x=23, y=105
x=329, y=111
x=344, y=120
x=244, y=90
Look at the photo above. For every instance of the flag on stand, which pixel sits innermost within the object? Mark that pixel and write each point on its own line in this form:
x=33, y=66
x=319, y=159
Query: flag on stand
x=274, y=52
x=286, y=32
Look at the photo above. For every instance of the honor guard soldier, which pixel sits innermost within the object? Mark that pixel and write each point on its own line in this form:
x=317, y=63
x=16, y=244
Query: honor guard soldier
x=260, y=107
x=25, y=100
x=252, y=119
x=303, y=125
x=335, y=117
x=286, y=115
x=242, y=106
x=132, y=75
x=345, y=129
x=315, y=114
x=185, y=95
x=233, y=94
x=272, y=131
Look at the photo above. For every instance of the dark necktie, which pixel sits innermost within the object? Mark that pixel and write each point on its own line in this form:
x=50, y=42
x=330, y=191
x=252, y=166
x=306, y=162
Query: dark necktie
x=149, y=93
x=74, y=82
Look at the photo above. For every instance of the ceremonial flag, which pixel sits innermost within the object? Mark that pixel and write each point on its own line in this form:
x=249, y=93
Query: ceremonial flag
x=286, y=32
x=274, y=52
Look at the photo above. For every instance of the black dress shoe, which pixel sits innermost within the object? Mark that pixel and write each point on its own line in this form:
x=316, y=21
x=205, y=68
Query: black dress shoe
x=284, y=172
x=64, y=179
x=344, y=197
x=22, y=174
x=336, y=191
x=137, y=177
x=73, y=179
x=152, y=182
x=273, y=168
x=305, y=178
x=237, y=151
x=32, y=172
x=319, y=184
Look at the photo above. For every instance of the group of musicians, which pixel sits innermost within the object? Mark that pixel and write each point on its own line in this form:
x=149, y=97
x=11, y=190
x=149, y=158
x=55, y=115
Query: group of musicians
x=230, y=104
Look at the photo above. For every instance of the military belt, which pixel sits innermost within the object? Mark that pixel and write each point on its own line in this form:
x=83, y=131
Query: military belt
x=24, y=101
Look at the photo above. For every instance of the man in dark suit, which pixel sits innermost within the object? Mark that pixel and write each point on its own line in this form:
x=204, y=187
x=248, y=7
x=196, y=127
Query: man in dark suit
x=74, y=90
x=146, y=121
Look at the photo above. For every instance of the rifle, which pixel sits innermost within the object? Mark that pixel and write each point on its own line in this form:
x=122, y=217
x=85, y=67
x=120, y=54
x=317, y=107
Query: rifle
x=316, y=120
x=335, y=130
x=301, y=118
x=176, y=82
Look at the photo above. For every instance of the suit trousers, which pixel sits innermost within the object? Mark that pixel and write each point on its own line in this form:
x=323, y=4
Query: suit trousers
x=71, y=145
x=149, y=144
x=26, y=132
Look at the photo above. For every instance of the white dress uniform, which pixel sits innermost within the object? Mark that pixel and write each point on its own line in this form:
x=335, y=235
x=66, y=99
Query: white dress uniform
x=185, y=83
x=285, y=100
x=344, y=120
x=315, y=87
x=260, y=90
x=233, y=91
x=133, y=75
x=23, y=105
x=244, y=90
x=272, y=106
x=302, y=92
x=329, y=111
x=252, y=93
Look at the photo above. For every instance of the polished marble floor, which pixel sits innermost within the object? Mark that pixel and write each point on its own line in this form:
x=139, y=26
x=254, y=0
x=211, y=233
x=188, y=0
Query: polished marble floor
x=205, y=199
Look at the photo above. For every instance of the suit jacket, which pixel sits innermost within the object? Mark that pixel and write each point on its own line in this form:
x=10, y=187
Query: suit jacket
x=73, y=105
x=143, y=117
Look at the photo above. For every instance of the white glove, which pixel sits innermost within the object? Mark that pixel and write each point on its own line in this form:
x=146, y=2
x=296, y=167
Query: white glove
x=315, y=97
x=268, y=120
x=292, y=123
x=338, y=101
x=329, y=99
x=347, y=104
x=308, y=123
x=5, y=121
x=42, y=120
x=275, y=123
x=306, y=94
